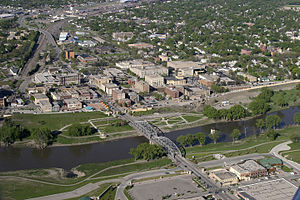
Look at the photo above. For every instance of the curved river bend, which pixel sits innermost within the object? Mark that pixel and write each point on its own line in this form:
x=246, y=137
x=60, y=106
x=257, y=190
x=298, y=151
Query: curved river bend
x=71, y=156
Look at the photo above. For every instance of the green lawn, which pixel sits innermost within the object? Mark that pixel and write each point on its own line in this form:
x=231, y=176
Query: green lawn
x=191, y=118
x=54, y=121
x=294, y=156
x=64, y=140
x=96, y=192
x=20, y=189
x=113, y=129
x=136, y=167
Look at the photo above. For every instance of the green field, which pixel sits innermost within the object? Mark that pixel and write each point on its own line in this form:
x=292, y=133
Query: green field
x=294, y=156
x=76, y=140
x=136, y=167
x=191, y=118
x=15, y=188
x=54, y=121
x=96, y=192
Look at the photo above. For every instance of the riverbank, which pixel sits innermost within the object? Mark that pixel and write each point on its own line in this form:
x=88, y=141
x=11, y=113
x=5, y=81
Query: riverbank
x=252, y=144
x=175, y=126
x=23, y=184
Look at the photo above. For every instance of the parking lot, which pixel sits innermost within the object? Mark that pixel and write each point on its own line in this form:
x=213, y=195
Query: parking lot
x=178, y=187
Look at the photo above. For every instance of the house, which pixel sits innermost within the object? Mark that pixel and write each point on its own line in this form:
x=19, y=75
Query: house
x=72, y=104
x=246, y=52
x=224, y=177
x=154, y=80
x=248, y=169
x=247, y=77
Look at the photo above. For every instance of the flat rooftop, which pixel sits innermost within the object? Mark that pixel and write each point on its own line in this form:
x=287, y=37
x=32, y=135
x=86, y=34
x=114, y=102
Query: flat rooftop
x=279, y=189
x=224, y=174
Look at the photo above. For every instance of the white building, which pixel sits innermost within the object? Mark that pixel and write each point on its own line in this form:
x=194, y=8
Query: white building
x=63, y=36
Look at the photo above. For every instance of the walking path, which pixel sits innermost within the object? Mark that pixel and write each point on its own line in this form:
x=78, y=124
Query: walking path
x=284, y=147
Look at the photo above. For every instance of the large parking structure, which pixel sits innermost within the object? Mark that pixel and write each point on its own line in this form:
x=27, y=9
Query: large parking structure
x=278, y=189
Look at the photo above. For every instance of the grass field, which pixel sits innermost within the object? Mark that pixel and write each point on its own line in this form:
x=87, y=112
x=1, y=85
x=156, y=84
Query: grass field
x=54, y=121
x=96, y=192
x=136, y=167
x=294, y=156
x=191, y=118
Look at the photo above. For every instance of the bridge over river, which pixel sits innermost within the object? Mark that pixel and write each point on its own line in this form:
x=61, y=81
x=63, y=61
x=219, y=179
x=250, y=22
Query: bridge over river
x=155, y=135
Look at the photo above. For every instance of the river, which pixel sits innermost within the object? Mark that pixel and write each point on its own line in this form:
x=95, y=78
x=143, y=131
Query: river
x=15, y=158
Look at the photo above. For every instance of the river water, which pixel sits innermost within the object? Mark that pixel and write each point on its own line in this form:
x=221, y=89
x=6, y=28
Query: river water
x=71, y=156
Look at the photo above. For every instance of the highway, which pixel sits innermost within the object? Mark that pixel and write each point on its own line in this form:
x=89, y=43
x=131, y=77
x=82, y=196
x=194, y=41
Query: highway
x=45, y=37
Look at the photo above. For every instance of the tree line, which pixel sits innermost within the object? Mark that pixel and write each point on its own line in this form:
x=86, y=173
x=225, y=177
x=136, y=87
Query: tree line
x=11, y=132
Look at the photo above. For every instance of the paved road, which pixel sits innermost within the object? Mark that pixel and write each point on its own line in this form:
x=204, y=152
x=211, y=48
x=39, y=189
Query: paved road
x=232, y=160
x=42, y=41
x=283, y=147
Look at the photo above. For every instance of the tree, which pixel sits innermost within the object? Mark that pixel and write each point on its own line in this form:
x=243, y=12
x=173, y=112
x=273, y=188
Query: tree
x=214, y=136
x=297, y=118
x=190, y=139
x=210, y=112
x=181, y=140
x=259, y=107
x=272, y=121
x=272, y=134
x=236, y=133
x=147, y=151
x=10, y=132
x=42, y=137
x=201, y=138
x=260, y=123
x=82, y=130
x=265, y=94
